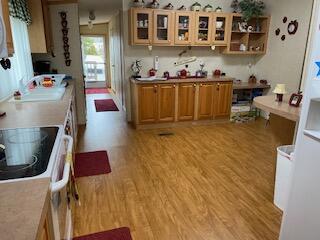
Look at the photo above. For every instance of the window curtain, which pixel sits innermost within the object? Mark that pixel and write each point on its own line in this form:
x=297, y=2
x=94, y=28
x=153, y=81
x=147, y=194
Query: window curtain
x=21, y=62
x=19, y=9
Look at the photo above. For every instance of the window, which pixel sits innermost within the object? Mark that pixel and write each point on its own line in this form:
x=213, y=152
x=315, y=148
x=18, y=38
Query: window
x=21, y=62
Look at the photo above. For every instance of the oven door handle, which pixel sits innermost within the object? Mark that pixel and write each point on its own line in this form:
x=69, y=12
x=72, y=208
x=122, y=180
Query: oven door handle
x=57, y=186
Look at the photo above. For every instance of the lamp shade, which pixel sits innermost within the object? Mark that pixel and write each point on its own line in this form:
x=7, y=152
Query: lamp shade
x=280, y=89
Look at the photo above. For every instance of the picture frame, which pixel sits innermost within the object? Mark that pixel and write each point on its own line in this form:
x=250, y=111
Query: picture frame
x=295, y=99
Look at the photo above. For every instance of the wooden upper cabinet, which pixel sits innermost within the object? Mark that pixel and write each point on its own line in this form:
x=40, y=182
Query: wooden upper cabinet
x=222, y=99
x=203, y=34
x=40, y=31
x=186, y=101
x=148, y=103
x=163, y=27
x=184, y=28
x=220, y=28
x=166, y=102
x=6, y=19
x=206, y=100
x=141, y=26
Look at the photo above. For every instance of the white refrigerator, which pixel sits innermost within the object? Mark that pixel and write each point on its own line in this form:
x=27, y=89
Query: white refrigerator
x=301, y=220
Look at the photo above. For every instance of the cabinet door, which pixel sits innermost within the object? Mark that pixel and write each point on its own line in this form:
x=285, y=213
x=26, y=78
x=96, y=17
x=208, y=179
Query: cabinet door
x=163, y=27
x=220, y=26
x=184, y=28
x=148, y=103
x=141, y=26
x=6, y=19
x=222, y=99
x=205, y=106
x=203, y=28
x=47, y=26
x=166, y=102
x=186, y=101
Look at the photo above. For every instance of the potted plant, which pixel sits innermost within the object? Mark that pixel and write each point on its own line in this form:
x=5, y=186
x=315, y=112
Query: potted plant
x=251, y=9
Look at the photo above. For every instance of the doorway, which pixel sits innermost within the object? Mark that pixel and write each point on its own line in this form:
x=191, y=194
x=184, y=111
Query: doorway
x=94, y=60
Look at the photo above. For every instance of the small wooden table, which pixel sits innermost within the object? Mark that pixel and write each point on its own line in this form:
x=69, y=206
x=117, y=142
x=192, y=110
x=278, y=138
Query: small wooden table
x=283, y=109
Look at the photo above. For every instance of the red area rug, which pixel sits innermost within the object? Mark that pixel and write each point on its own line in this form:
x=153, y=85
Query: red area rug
x=91, y=163
x=115, y=234
x=96, y=90
x=105, y=105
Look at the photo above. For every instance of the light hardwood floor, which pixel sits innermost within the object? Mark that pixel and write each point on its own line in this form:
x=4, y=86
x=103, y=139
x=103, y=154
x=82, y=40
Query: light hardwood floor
x=202, y=183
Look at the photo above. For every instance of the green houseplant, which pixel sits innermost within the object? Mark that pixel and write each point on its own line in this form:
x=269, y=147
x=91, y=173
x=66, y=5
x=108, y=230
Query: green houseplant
x=251, y=9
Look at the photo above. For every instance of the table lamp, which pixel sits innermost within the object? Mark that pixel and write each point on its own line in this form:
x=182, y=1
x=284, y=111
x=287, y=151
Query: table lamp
x=279, y=90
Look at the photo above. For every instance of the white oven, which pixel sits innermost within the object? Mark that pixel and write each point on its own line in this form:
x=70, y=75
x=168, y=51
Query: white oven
x=61, y=188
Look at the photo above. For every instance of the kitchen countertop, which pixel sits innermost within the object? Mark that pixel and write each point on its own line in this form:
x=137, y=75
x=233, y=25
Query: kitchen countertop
x=186, y=80
x=246, y=85
x=35, y=114
x=23, y=207
x=23, y=203
x=283, y=109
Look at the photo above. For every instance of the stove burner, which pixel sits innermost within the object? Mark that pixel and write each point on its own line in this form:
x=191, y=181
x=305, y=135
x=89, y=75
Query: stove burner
x=17, y=168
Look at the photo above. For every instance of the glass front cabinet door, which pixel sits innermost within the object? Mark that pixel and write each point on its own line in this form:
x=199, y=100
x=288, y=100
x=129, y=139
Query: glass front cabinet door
x=184, y=28
x=220, y=26
x=203, y=28
x=141, y=20
x=163, y=27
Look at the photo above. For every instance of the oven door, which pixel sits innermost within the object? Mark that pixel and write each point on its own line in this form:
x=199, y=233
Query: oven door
x=60, y=199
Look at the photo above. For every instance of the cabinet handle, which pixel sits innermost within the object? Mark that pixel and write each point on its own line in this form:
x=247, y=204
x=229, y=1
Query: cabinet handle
x=174, y=86
x=201, y=85
x=194, y=85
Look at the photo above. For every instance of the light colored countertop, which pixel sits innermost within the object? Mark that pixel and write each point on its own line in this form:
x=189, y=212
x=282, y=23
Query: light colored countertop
x=246, y=85
x=23, y=208
x=34, y=114
x=23, y=204
x=186, y=80
x=283, y=109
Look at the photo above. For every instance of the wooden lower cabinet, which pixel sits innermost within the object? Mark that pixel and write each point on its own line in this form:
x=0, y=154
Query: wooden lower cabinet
x=172, y=102
x=222, y=99
x=206, y=101
x=148, y=103
x=46, y=232
x=166, y=102
x=186, y=101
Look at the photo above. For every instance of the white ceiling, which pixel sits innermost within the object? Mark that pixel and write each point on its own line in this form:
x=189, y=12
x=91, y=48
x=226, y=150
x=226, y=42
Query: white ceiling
x=103, y=9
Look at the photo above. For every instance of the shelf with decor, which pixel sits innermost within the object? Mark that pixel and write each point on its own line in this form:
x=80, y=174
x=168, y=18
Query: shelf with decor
x=251, y=39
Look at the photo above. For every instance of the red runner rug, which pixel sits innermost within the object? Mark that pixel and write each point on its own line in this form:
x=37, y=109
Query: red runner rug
x=115, y=234
x=96, y=90
x=91, y=163
x=105, y=105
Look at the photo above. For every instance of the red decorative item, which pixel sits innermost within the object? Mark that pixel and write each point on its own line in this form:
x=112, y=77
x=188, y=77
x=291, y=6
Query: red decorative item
x=183, y=73
x=152, y=72
x=217, y=72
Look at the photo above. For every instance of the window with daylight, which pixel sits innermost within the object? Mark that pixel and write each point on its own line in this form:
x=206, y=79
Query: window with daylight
x=21, y=62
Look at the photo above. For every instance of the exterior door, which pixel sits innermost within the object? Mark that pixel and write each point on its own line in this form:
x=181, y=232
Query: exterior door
x=186, y=101
x=203, y=28
x=166, y=100
x=163, y=27
x=148, y=103
x=205, y=107
x=223, y=99
x=220, y=25
x=141, y=20
x=184, y=25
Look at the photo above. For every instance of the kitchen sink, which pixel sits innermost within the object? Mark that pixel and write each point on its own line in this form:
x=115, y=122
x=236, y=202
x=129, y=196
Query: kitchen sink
x=42, y=94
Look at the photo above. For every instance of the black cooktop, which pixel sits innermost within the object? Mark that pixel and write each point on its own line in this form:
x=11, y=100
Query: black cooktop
x=25, y=152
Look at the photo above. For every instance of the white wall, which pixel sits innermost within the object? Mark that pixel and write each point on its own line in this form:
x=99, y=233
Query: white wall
x=58, y=62
x=284, y=59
